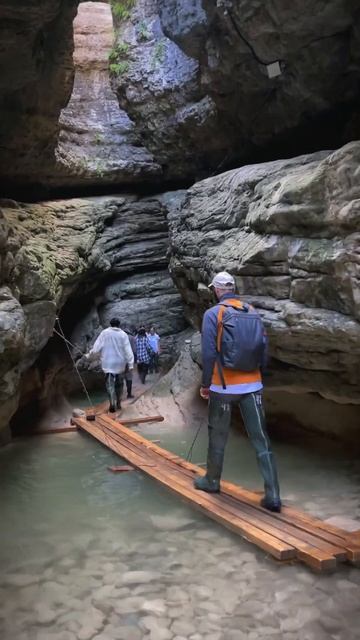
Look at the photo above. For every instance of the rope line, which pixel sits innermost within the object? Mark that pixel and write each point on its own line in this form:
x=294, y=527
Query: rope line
x=66, y=340
x=91, y=404
x=190, y=452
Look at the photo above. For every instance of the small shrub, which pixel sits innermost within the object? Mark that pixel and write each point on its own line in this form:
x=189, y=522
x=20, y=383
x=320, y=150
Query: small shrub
x=158, y=56
x=99, y=168
x=119, y=68
x=98, y=138
x=118, y=51
x=122, y=8
x=143, y=31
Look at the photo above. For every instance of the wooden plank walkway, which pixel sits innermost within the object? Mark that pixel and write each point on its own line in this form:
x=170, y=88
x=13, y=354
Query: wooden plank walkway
x=288, y=536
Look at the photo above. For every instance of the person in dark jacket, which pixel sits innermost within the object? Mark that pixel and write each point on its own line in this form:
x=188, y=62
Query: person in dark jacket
x=143, y=353
x=242, y=388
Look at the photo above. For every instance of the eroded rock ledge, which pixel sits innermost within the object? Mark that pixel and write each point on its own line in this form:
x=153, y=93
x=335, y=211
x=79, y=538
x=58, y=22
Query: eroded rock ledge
x=289, y=232
x=55, y=253
x=195, y=88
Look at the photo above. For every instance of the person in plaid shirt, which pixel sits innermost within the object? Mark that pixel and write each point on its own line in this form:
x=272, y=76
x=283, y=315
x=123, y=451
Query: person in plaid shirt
x=143, y=353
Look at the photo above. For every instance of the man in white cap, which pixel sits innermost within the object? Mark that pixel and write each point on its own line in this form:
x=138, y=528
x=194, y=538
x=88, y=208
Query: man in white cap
x=233, y=352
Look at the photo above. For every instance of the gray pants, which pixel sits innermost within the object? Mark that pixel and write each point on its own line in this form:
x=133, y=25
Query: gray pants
x=114, y=386
x=253, y=415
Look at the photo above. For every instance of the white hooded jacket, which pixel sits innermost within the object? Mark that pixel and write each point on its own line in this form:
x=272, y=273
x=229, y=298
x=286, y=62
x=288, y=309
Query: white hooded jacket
x=114, y=346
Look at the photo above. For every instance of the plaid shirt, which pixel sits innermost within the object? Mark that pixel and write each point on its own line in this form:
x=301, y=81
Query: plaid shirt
x=143, y=349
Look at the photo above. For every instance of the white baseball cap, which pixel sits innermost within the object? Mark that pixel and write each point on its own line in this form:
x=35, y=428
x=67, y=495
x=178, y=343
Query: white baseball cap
x=222, y=280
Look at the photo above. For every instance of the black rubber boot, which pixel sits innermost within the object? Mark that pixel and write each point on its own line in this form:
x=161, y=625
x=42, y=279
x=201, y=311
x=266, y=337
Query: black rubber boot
x=219, y=422
x=271, y=499
x=129, y=388
x=211, y=481
x=204, y=483
x=119, y=386
x=110, y=382
x=271, y=506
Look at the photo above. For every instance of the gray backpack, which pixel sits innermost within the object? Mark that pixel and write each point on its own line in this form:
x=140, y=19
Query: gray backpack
x=240, y=342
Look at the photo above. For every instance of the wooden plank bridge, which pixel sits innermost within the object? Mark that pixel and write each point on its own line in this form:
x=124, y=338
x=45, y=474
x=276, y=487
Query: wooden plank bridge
x=288, y=536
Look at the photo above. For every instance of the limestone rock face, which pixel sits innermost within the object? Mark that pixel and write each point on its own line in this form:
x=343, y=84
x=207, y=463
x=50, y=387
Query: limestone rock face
x=212, y=83
x=192, y=87
x=36, y=72
x=59, y=252
x=160, y=89
x=289, y=233
x=97, y=142
x=148, y=298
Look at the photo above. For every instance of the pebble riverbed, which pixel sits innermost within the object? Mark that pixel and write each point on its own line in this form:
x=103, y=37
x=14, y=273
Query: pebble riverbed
x=89, y=555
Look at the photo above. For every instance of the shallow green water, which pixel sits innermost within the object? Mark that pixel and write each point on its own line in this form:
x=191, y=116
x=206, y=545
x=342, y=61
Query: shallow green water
x=72, y=534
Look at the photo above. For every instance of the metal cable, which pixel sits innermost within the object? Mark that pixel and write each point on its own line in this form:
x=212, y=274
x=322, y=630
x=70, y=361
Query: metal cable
x=74, y=363
x=67, y=342
x=189, y=453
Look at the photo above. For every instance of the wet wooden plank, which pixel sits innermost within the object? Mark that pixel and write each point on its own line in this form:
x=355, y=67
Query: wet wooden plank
x=308, y=538
x=47, y=432
x=204, y=502
x=314, y=552
x=331, y=547
x=130, y=421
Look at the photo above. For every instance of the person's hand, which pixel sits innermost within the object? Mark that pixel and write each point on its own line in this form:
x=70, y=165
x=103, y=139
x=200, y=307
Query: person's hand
x=204, y=393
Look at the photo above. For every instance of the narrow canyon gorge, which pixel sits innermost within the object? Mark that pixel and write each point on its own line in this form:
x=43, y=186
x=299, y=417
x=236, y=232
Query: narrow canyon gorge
x=147, y=145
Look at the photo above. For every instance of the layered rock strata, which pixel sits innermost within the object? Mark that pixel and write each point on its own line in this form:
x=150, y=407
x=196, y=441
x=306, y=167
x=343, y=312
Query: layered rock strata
x=289, y=233
x=210, y=84
x=57, y=252
x=98, y=143
x=147, y=299
x=201, y=85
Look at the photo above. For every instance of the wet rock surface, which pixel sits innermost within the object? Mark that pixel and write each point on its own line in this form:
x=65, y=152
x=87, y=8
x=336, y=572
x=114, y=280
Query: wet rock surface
x=98, y=143
x=212, y=84
x=60, y=251
x=147, y=299
x=200, y=86
x=36, y=83
x=288, y=232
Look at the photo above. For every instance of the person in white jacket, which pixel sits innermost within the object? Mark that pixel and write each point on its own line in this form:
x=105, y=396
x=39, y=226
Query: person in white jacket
x=116, y=354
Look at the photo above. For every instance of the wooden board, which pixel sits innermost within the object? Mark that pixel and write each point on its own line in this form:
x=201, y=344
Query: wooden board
x=290, y=535
x=143, y=420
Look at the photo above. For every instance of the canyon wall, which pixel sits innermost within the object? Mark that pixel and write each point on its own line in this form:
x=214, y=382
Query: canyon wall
x=98, y=143
x=82, y=256
x=173, y=90
x=289, y=233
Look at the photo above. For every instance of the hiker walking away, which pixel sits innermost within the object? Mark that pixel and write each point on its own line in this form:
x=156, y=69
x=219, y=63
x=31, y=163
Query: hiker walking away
x=154, y=340
x=128, y=371
x=143, y=353
x=116, y=354
x=233, y=351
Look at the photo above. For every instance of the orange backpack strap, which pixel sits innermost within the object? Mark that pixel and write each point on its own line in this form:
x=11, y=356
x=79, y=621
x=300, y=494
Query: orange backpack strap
x=229, y=303
x=237, y=304
x=219, y=327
